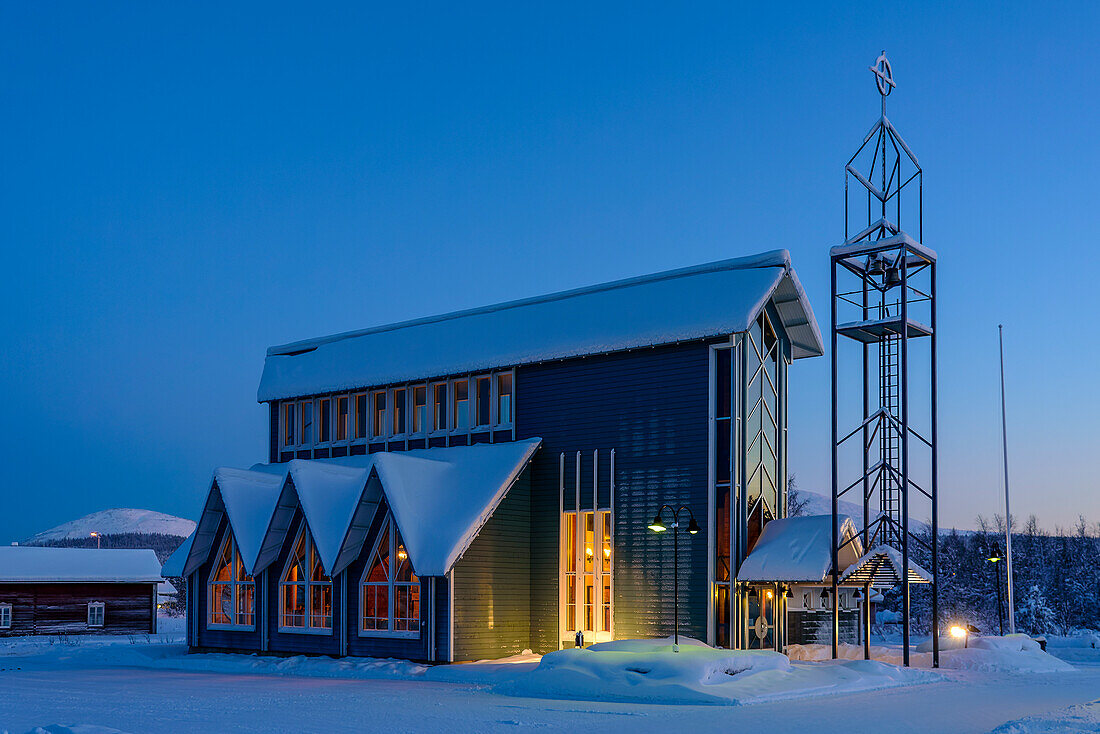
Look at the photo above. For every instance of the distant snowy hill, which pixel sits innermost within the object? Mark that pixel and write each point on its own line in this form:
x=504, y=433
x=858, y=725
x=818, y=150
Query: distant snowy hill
x=821, y=504
x=116, y=522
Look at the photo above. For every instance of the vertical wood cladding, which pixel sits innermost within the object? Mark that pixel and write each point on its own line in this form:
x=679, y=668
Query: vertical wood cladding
x=273, y=409
x=62, y=608
x=493, y=583
x=651, y=407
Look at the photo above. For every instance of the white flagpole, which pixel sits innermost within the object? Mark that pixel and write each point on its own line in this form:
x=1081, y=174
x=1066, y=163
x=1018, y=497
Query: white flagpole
x=1008, y=513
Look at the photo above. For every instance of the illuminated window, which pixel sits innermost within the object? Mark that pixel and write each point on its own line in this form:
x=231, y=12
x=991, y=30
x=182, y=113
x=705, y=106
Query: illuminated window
x=324, y=420
x=305, y=591
x=504, y=398
x=232, y=592
x=97, y=610
x=290, y=423
x=461, y=412
x=420, y=408
x=342, y=407
x=306, y=413
x=361, y=415
x=483, y=386
x=587, y=570
x=439, y=407
x=390, y=591
x=5, y=616
x=399, y=407
x=378, y=426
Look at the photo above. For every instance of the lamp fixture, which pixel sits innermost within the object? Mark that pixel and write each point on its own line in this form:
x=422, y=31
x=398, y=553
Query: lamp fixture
x=657, y=526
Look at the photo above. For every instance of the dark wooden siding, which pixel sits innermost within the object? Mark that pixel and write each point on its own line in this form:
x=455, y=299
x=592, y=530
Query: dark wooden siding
x=274, y=408
x=493, y=583
x=810, y=627
x=62, y=608
x=651, y=407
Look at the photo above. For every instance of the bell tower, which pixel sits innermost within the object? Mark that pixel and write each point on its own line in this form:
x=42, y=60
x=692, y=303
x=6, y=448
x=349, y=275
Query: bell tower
x=883, y=339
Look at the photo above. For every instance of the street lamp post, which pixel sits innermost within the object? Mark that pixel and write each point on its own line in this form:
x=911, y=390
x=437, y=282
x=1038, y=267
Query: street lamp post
x=658, y=526
x=995, y=560
x=97, y=538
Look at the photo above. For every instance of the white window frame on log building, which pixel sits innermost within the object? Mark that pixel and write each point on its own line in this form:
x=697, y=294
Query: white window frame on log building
x=97, y=613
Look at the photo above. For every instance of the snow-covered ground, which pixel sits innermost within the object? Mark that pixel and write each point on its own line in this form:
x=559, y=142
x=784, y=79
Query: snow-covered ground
x=145, y=684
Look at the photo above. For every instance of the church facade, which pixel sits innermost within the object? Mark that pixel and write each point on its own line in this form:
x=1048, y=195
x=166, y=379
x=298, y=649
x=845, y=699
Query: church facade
x=472, y=485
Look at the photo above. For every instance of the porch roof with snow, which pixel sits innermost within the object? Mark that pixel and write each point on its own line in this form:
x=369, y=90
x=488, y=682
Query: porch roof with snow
x=33, y=564
x=797, y=549
x=881, y=566
x=440, y=499
x=699, y=302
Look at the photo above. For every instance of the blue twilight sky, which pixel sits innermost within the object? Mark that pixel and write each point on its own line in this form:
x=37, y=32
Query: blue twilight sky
x=185, y=184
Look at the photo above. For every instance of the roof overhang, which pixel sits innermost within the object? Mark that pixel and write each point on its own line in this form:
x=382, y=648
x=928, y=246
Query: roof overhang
x=881, y=567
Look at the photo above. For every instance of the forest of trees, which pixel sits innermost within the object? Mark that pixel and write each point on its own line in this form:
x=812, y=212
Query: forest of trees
x=1056, y=578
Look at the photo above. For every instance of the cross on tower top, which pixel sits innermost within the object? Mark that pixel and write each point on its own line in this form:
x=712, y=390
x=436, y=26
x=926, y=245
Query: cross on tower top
x=884, y=75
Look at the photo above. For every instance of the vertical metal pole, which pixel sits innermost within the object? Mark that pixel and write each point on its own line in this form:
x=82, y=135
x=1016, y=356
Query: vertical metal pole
x=611, y=534
x=904, y=382
x=676, y=578
x=563, y=591
x=935, y=484
x=867, y=621
x=1008, y=512
x=597, y=548
x=835, y=534
x=579, y=552
x=866, y=409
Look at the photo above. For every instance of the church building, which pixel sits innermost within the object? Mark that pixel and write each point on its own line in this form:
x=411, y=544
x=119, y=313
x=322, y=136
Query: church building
x=471, y=485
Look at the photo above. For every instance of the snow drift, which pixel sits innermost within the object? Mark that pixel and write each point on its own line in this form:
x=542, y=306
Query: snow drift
x=649, y=671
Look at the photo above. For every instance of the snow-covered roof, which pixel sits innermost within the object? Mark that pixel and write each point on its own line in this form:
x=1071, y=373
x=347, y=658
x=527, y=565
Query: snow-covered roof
x=247, y=499
x=44, y=564
x=798, y=549
x=440, y=499
x=704, y=301
x=175, y=563
x=881, y=566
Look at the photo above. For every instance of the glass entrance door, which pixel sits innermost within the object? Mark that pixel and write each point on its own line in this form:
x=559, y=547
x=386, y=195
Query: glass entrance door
x=760, y=634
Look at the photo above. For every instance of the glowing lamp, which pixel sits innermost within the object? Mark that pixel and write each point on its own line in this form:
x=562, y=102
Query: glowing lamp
x=657, y=525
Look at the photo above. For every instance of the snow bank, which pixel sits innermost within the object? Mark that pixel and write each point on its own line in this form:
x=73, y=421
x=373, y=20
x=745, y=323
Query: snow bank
x=648, y=671
x=1079, y=639
x=74, y=729
x=1008, y=654
x=1082, y=719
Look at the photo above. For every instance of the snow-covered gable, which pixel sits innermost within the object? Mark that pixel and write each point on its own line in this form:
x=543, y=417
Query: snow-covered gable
x=176, y=562
x=25, y=564
x=247, y=499
x=691, y=303
x=797, y=549
x=329, y=494
x=441, y=498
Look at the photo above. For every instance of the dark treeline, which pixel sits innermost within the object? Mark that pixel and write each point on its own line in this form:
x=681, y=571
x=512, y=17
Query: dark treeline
x=163, y=545
x=1056, y=578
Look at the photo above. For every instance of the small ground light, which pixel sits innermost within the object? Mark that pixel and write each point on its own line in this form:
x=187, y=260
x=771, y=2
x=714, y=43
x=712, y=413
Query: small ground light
x=963, y=632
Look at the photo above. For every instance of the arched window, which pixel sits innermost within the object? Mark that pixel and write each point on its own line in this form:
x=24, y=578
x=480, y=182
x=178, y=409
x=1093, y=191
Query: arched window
x=389, y=591
x=305, y=591
x=232, y=598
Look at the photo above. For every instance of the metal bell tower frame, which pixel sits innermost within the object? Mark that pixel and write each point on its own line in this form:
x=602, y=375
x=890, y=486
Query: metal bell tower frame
x=883, y=301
